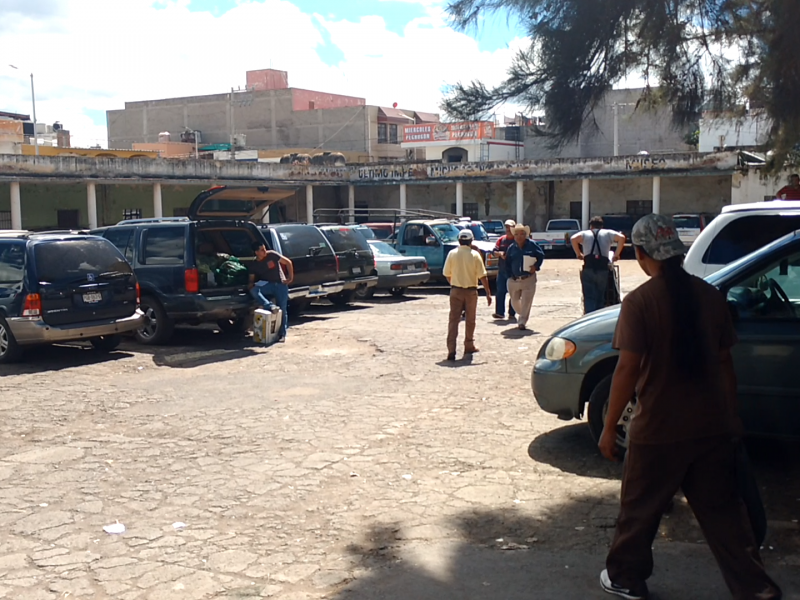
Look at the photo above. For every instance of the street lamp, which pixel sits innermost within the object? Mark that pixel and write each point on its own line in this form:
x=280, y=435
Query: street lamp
x=33, y=101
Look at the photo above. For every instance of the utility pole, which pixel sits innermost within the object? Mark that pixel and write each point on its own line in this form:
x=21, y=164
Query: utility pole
x=233, y=130
x=35, y=133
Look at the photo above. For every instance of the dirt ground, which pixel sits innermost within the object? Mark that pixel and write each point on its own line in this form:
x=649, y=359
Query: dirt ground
x=351, y=462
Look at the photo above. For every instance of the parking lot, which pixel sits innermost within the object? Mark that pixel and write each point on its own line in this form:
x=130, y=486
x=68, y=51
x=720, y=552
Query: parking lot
x=350, y=462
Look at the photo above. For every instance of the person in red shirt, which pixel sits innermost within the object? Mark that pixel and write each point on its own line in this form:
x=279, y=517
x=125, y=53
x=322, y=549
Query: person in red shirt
x=500, y=249
x=791, y=191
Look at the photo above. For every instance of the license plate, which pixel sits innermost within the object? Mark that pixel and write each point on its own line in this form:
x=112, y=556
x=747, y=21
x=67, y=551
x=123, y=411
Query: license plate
x=356, y=270
x=92, y=297
x=547, y=247
x=315, y=290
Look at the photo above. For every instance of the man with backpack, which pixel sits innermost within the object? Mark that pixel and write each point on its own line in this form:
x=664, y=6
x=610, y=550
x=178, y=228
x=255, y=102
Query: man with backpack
x=592, y=247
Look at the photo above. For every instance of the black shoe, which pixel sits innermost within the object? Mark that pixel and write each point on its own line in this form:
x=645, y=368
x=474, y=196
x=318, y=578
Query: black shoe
x=451, y=357
x=617, y=590
x=496, y=316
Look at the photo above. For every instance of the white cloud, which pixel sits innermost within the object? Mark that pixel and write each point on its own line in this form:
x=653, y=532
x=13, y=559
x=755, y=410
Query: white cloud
x=95, y=54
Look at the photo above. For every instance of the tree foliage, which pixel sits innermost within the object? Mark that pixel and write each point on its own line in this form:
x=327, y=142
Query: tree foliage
x=694, y=55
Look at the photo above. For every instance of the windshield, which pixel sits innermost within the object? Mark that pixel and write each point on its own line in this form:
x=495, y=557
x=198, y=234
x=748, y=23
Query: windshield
x=567, y=225
x=494, y=226
x=384, y=249
x=447, y=232
x=479, y=232
x=344, y=239
x=687, y=222
x=716, y=279
x=75, y=260
x=366, y=232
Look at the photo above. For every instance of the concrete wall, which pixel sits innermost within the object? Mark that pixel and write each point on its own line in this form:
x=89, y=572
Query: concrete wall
x=733, y=133
x=754, y=186
x=640, y=129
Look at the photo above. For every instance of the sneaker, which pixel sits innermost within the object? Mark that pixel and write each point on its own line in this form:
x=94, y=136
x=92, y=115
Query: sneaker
x=275, y=310
x=451, y=357
x=496, y=316
x=617, y=590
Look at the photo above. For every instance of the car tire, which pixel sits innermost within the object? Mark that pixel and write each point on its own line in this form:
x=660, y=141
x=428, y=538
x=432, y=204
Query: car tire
x=365, y=293
x=598, y=407
x=298, y=307
x=106, y=343
x=235, y=326
x=343, y=298
x=158, y=326
x=10, y=351
x=398, y=292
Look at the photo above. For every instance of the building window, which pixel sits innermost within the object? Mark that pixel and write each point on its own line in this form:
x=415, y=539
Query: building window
x=68, y=219
x=576, y=210
x=382, y=137
x=131, y=213
x=393, y=134
x=5, y=219
x=639, y=208
x=470, y=210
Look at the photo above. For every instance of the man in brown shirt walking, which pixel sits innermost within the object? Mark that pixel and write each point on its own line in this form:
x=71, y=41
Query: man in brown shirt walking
x=674, y=335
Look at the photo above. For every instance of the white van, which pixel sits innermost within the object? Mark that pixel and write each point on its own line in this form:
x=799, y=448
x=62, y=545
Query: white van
x=739, y=230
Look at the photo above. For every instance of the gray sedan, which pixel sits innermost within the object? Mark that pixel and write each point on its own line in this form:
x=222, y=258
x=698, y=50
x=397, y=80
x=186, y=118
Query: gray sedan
x=573, y=371
x=396, y=272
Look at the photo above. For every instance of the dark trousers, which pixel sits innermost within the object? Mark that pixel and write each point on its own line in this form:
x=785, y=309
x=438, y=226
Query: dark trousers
x=502, y=290
x=593, y=284
x=462, y=300
x=706, y=472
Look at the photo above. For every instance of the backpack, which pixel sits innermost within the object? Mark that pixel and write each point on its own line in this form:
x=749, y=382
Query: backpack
x=592, y=261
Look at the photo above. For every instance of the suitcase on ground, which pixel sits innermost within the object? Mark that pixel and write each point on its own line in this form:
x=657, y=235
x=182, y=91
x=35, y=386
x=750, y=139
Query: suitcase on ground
x=266, y=326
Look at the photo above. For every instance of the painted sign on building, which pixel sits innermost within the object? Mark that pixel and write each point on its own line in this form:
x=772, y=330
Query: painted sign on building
x=448, y=132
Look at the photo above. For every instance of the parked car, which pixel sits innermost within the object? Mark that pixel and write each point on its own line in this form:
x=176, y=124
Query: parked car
x=381, y=231
x=178, y=260
x=690, y=225
x=396, y=272
x=739, y=230
x=316, y=270
x=476, y=227
x=573, y=371
x=557, y=234
x=62, y=288
x=355, y=259
x=494, y=228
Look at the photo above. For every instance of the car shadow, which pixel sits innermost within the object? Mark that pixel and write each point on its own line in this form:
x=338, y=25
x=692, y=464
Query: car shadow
x=388, y=299
x=516, y=333
x=572, y=449
x=43, y=359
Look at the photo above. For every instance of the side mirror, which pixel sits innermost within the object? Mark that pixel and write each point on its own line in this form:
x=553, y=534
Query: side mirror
x=431, y=241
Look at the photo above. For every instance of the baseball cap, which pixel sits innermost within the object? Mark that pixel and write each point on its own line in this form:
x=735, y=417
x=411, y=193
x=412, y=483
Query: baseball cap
x=657, y=235
x=510, y=223
x=465, y=234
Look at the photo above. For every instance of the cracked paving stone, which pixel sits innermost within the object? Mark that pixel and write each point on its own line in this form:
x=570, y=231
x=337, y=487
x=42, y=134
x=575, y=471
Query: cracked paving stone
x=231, y=561
x=41, y=521
x=13, y=562
x=46, y=456
x=163, y=574
x=68, y=559
x=295, y=573
x=321, y=460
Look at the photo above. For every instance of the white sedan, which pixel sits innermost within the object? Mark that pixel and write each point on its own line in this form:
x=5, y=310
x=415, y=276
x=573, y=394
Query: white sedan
x=396, y=272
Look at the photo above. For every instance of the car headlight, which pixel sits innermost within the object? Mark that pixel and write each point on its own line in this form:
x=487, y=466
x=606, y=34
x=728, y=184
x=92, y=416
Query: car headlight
x=559, y=349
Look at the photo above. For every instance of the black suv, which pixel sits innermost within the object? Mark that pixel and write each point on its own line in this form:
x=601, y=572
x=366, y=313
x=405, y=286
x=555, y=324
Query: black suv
x=316, y=266
x=184, y=265
x=356, y=261
x=63, y=287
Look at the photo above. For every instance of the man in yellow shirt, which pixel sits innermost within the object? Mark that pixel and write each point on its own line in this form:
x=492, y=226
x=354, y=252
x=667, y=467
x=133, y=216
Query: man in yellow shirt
x=464, y=268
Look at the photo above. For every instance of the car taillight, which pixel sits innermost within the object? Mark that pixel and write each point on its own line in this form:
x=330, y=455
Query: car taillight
x=337, y=263
x=33, y=306
x=138, y=295
x=191, y=281
x=397, y=267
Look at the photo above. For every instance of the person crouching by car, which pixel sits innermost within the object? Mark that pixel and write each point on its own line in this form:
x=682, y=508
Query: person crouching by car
x=267, y=281
x=522, y=273
x=592, y=247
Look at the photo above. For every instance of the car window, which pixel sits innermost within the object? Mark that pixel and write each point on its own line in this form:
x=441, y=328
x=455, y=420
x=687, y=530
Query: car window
x=772, y=293
x=123, y=239
x=62, y=261
x=298, y=240
x=12, y=262
x=366, y=232
x=239, y=242
x=383, y=249
x=414, y=235
x=344, y=239
x=164, y=246
x=447, y=232
x=379, y=233
x=561, y=226
x=747, y=234
x=687, y=222
x=479, y=232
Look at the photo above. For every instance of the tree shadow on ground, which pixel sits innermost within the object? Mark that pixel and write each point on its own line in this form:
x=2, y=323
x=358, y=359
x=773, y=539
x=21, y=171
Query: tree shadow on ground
x=45, y=359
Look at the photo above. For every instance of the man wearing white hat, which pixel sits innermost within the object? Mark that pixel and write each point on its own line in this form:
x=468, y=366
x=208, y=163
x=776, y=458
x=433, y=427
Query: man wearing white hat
x=523, y=259
x=500, y=249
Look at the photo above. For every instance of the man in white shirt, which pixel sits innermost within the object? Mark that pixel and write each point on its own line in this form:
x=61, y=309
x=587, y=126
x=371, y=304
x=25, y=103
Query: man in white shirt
x=592, y=248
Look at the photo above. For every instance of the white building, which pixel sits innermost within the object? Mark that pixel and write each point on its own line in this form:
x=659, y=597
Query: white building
x=721, y=132
x=460, y=142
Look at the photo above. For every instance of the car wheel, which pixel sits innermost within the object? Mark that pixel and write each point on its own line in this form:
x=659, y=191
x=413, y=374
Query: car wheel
x=365, y=293
x=9, y=349
x=298, y=307
x=343, y=298
x=397, y=292
x=598, y=408
x=235, y=326
x=106, y=343
x=158, y=327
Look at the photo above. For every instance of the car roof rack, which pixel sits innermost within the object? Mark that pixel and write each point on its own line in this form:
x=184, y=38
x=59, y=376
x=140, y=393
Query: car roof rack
x=342, y=216
x=154, y=220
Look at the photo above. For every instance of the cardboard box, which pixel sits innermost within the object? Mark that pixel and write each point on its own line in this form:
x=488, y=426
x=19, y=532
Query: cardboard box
x=266, y=326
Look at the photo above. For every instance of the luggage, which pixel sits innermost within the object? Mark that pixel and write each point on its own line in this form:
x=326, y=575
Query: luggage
x=266, y=326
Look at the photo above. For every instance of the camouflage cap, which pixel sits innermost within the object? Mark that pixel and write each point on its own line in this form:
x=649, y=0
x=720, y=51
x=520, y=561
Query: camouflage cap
x=657, y=235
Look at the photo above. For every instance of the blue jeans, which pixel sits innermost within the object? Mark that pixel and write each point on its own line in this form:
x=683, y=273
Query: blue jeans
x=502, y=290
x=262, y=291
x=594, y=284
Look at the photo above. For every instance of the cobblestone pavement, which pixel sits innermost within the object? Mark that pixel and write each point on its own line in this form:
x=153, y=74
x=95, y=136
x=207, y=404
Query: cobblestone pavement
x=349, y=462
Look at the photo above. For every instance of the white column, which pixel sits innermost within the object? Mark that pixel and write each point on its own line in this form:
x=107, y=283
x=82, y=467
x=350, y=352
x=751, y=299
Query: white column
x=265, y=216
x=460, y=199
x=585, y=204
x=91, y=204
x=158, y=209
x=310, y=204
x=656, y=195
x=351, y=202
x=520, y=201
x=16, y=206
x=404, y=197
